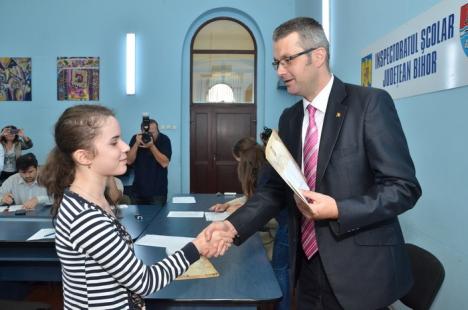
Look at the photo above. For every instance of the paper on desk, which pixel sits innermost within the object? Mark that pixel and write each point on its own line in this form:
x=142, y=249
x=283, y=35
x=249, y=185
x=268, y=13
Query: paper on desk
x=43, y=233
x=201, y=269
x=187, y=199
x=14, y=208
x=281, y=160
x=3, y=209
x=122, y=206
x=171, y=243
x=185, y=214
x=216, y=216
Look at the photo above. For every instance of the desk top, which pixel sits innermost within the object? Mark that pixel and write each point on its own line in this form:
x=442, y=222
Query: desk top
x=246, y=275
x=134, y=217
x=15, y=230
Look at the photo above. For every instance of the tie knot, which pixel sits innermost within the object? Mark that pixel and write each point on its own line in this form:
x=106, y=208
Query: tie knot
x=311, y=109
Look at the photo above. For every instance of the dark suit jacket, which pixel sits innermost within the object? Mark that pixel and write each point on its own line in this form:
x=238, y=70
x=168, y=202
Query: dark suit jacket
x=363, y=163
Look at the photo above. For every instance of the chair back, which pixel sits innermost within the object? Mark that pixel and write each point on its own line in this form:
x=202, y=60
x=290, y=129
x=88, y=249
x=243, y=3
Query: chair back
x=428, y=274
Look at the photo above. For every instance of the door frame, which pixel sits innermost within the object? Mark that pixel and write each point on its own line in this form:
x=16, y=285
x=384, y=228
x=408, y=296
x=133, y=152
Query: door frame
x=185, y=99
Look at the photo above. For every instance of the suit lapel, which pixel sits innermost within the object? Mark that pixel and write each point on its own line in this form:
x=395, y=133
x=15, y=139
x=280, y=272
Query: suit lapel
x=295, y=127
x=334, y=117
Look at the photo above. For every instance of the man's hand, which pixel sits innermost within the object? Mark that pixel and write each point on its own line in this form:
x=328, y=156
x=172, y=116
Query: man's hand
x=218, y=245
x=140, y=142
x=219, y=236
x=8, y=199
x=30, y=204
x=224, y=226
x=320, y=207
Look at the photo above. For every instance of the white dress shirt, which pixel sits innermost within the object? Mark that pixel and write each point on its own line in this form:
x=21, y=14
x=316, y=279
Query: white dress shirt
x=320, y=103
x=23, y=191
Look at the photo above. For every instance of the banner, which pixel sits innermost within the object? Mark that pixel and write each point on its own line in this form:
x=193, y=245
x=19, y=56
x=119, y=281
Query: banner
x=427, y=54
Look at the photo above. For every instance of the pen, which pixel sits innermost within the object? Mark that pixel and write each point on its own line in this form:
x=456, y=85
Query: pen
x=49, y=235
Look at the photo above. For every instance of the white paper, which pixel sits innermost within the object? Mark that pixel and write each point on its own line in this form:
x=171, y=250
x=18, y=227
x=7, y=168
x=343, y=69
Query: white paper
x=216, y=216
x=281, y=160
x=229, y=193
x=294, y=176
x=43, y=233
x=2, y=209
x=122, y=206
x=171, y=243
x=185, y=214
x=14, y=208
x=187, y=199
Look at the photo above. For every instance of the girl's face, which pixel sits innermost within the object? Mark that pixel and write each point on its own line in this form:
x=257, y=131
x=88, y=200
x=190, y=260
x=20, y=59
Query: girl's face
x=9, y=134
x=111, y=150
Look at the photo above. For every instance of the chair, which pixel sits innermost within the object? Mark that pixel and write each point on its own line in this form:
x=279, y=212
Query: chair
x=428, y=274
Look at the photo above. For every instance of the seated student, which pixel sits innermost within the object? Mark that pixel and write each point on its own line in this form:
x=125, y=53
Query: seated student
x=114, y=188
x=22, y=188
x=115, y=191
x=251, y=162
x=13, y=141
x=251, y=159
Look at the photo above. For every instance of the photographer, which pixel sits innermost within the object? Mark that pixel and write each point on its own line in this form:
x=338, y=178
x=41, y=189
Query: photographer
x=13, y=141
x=150, y=153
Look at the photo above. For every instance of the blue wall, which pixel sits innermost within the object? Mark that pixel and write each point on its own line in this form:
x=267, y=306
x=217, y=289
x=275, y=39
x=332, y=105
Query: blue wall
x=435, y=126
x=46, y=29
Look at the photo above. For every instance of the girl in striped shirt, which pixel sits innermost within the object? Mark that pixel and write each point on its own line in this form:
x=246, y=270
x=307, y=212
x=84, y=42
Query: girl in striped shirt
x=99, y=267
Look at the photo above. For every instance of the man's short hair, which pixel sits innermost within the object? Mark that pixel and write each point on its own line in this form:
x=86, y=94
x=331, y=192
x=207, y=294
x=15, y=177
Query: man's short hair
x=310, y=31
x=25, y=161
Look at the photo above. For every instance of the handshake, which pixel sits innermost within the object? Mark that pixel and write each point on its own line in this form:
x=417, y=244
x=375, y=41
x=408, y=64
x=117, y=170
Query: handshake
x=215, y=239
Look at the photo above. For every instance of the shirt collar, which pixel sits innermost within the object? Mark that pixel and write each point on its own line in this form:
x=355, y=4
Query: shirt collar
x=21, y=181
x=321, y=100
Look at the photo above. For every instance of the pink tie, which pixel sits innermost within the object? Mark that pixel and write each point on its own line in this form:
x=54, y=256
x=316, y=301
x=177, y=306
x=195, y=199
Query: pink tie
x=310, y=153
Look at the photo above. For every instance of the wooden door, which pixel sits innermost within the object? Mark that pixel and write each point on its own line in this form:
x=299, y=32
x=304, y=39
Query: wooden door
x=214, y=129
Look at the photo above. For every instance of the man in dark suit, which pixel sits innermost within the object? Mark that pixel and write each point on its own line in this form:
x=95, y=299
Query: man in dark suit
x=362, y=175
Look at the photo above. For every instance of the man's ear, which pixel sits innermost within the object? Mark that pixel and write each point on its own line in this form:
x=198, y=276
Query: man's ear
x=82, y=157
x=320, y=56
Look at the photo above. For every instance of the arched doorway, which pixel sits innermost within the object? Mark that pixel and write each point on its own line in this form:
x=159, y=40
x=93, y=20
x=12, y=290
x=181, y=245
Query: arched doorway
x=222, y=102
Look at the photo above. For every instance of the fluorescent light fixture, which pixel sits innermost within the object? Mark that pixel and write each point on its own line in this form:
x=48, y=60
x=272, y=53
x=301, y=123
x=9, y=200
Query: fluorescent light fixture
x=130, y=64
x=326, y=18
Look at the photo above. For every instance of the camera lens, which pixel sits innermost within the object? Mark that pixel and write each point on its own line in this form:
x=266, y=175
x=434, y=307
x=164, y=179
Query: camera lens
x=146, y=137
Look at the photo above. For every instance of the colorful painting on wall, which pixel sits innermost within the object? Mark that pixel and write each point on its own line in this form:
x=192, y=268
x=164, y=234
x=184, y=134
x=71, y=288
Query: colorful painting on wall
x=78, y=78
x=15, y=79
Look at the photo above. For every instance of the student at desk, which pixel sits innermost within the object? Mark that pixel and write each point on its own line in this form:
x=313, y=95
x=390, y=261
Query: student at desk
x=99, y=266
x=251, y=162
x=22, y=188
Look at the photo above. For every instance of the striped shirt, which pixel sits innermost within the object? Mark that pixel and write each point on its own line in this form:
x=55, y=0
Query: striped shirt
x=99, y=267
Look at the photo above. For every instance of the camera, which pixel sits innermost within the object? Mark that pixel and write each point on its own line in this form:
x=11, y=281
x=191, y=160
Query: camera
x=145, y=125
x=265, y=135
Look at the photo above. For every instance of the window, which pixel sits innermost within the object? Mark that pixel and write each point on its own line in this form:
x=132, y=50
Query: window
x=223, y=63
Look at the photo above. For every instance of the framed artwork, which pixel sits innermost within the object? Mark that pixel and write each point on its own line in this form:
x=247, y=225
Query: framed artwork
x=78, y=78
x=15, y=79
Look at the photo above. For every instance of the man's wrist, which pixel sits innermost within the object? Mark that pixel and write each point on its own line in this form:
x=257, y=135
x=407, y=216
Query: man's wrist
x=231, y=227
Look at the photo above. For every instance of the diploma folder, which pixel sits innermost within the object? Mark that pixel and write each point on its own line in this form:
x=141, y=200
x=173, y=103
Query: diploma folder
x=281, y=160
